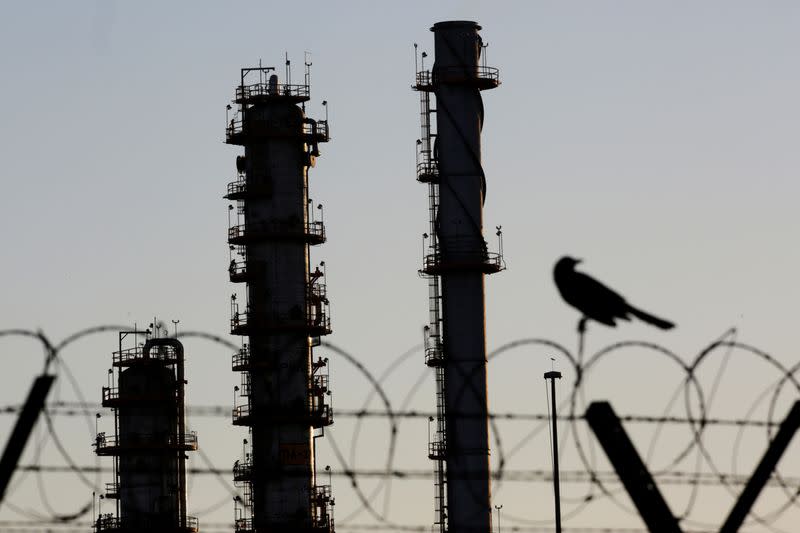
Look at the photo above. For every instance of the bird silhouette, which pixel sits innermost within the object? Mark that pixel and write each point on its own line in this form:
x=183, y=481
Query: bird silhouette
x=595, y=300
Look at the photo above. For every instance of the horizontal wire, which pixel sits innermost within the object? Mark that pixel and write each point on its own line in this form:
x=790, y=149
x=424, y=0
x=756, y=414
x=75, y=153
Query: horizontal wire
x=566, y=476
x=79, y=409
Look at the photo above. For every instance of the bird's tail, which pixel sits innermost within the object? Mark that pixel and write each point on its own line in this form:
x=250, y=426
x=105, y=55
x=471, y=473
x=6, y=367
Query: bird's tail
x=650, y=319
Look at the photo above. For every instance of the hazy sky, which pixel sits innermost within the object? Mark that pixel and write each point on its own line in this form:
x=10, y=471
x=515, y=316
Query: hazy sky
x=656, y=140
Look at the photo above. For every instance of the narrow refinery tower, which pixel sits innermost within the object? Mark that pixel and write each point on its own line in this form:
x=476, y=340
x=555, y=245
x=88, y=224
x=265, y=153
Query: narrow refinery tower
x=449, y=161
x=150, y=438
x=285, y=309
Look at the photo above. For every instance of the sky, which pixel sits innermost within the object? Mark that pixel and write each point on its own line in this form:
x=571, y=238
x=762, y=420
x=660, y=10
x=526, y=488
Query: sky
x=655, y=140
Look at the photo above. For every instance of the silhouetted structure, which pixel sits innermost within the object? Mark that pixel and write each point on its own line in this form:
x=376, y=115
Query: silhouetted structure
x=455, y=264
x=23, y=428
x=150, y=440
x=763, y=471
x=595, y=300
x=632, y=471
x=286, y=307
x=641, y=486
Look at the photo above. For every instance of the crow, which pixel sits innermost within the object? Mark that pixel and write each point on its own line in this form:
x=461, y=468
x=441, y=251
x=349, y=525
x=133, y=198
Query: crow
x=595, y=300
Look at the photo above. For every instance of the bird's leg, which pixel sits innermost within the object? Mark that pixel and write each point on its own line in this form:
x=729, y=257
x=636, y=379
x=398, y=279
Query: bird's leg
x=581, y=335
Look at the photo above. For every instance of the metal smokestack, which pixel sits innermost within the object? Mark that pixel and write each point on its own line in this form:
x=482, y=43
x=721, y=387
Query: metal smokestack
x=456, y=264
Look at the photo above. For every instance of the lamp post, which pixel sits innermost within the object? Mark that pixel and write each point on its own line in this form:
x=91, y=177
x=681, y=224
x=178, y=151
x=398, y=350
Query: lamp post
x=552, y=376
x=498, y=507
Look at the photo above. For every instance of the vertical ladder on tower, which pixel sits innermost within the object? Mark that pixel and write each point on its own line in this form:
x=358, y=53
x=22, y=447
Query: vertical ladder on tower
x=428, y=172
x=439, y=455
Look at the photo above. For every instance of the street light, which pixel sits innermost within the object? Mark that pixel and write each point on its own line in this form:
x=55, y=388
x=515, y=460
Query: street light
x=498, y=507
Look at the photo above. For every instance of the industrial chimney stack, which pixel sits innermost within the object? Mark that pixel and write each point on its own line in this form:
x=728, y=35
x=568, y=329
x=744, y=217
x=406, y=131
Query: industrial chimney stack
x=449, y=161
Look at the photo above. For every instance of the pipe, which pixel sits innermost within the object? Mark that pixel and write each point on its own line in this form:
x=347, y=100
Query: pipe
x=178, y=346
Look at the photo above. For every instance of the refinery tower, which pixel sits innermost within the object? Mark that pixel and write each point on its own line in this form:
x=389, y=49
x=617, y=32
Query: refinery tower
x=282, y=310
x=149, y=440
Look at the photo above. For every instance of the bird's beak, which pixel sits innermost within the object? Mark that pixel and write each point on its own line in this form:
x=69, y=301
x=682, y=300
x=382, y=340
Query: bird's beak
x=578, y=261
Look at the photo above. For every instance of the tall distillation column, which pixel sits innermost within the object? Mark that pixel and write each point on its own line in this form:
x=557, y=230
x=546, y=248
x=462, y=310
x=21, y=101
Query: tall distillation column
x=286, y=307
x=449, y=161
x=150, y=438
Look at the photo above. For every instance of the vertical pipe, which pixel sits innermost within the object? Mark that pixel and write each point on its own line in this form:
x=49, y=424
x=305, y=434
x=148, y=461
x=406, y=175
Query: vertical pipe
x=460, y=237
x=180, y=428
x=181, y=433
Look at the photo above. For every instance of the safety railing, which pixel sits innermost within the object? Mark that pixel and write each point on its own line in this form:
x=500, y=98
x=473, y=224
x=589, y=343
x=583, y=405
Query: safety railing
x=241, y=359
x=242, y=471
x=110, y=393
x=241, y=414
x=132, y=355
x=112, y=490
x=310, y=232
x=112, y=397
x=319, y=384
x=318, y=414
x=428, y=171
x=316, y=130
x=236, y=187
x=321, y=412
x=318, y=292
x=243, y=525
x=434, y=352
x=459, y=256
x=109, y=445
x=322, y=521
x=311, y=131
x=321, y=415
x=109, y=522
x=262, y=90
x=480, y=76
x=436, y=449
x=322, y=508
x=237, y=271
x=278, y=320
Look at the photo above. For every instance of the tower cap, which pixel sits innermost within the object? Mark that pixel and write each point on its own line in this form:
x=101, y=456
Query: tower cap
x=448, y=24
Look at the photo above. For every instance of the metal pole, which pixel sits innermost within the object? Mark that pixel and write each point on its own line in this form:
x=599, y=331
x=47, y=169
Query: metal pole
x=498, y=507
x=23, y=428
x=556, y=484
